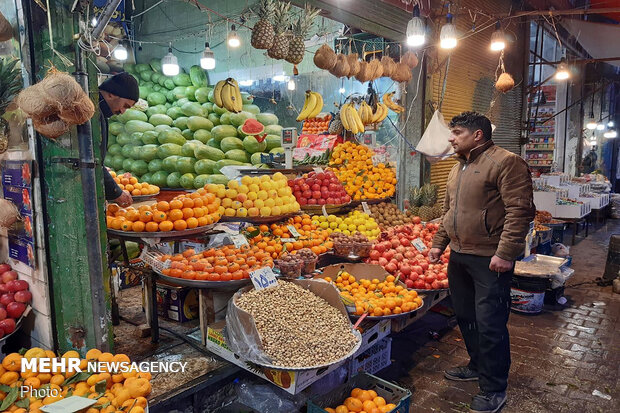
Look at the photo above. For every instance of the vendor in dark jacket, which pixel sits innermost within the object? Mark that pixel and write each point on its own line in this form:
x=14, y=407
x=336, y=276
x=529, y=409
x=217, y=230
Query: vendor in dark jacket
x=116, y=95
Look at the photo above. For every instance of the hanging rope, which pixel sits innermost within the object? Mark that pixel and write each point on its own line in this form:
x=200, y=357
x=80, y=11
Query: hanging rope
x=62, y=58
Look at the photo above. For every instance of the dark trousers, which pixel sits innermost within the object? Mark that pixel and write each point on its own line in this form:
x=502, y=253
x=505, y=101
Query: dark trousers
x=481, y=300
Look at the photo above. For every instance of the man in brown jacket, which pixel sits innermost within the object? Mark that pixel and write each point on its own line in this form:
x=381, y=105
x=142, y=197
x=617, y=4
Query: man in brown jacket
x=487, y=211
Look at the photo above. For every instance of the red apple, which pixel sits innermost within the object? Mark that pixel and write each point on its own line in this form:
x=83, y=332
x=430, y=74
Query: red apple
x=4, y=268
x=15, y=309
x=9, y=276
x=7, y=298
x=7, y=325
x=17, y=285
x=2, y=314
x=23, y=296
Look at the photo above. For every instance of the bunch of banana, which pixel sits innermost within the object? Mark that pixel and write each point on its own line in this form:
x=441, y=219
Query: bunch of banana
x=228, y=96
x=313, y=105
x=387, y=99
x=380, y=114
x=351, y=119
x=365, y=112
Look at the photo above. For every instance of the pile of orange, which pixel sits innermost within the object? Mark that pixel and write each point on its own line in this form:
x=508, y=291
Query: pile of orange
x=130, y=183
x=185, y=211
x=217, y=264
x=316, y=125
x=115, y=392
x=377, y=298
x=269, y=238
x=353, y=165
x=367, y=401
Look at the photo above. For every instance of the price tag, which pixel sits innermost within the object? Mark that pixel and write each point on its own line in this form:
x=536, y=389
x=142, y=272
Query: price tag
x=318, y=169
x=239, y=240
x=419, y=244
x=293, y=231
x=324, y=211
x=263, y=278
x=287, y=240
x=366, y=208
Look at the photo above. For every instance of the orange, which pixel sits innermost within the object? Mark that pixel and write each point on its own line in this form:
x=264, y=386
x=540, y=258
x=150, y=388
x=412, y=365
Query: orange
x=369, y=405
x=364, y=395
x=152, y=227
x=192, y=223
x=188, y=203
x=138, y=226
x=341, y=409
x=379, y=401
x=180, y=225
x=163, y=206
x=202, y=221
x=176, y=204
x=187, y=212
x=146, y=216
x=166, y=226
x=116, y=223
x=329, y=410
x=159, y=216
x=175, y=214
x=32, y=382
x=353, y=404
x=198, y=212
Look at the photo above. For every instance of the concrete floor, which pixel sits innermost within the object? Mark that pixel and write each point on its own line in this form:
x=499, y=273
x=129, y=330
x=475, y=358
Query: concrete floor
x=558, y=357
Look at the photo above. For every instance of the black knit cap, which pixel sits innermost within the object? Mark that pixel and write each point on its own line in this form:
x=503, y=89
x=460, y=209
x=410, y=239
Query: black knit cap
x=122, y=85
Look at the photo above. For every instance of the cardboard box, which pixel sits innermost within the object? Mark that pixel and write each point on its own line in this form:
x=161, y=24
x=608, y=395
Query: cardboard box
x=372, y=360
x=291, y=381
x=127, y=277
x=176, y=303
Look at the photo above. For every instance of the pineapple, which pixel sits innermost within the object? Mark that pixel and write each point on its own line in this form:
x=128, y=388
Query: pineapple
x=296, y=48
x=415, y=199
x=438, y=210
x=10, y=84
x=428, y=196
x=263, y=32
x=335, y=126
x=279, y=48
x=413, y=211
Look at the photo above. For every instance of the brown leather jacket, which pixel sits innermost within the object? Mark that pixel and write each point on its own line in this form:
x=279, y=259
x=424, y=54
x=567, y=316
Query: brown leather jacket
x=488, y=205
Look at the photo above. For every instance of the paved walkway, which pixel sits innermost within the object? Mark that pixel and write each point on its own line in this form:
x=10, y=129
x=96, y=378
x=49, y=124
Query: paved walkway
x=558, y=357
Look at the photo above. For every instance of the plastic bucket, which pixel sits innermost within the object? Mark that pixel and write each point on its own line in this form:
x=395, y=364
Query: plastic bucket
x=527, y=294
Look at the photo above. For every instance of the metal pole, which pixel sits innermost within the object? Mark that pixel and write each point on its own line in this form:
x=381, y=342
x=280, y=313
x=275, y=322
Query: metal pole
x=91, y=216
x=105, y=17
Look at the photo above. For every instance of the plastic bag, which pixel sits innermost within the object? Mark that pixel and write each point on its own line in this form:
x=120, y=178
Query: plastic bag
x=434, y=143
x=266, y=398
x=560, y=250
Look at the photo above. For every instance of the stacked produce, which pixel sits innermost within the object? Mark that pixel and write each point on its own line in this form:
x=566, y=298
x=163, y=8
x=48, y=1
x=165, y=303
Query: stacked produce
x=217, y=264
x=396, y=251
x=186, y=211
x=182, y=138
x=354, y=167
x=298, y=328
x=130, y=183
x=354, y=221
x=14, y=298
x=322, y=159
x=292, y=265
x=316, y=125
x=313, y=105
x=375, y=297
x=278, y=238
x=113, y=390
x=363, y=400
x=356, y=244
x=388, y=215
x=265, y=196
x=423, y=203
x=321, y=188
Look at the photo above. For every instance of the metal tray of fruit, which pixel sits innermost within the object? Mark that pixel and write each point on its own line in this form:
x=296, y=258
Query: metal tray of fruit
x=141, y=198
x=231, y=285
x=161, y=234
x=258, y=220
x=330, y=209
x=430, y=291
x=18, y=324
x=386, y=317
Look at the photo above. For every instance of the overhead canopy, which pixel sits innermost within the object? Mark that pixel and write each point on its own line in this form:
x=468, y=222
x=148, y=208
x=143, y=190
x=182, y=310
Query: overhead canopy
x=599, y=39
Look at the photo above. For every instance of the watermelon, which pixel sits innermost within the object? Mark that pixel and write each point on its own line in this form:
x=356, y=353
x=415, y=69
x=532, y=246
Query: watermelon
x=129, y=68
x=108, y=160
x=202, y=94
x=247, y=98
x=123, y=138
x=252, y=145
x=146, y=75
x=267, y=119
x=127, y=163
x=114, y=149
x=252, y=109
x=190, y=93
x=148, y=152
x=204, y=166
x=121, y=172
x=197, y=76
x=170, y=97
x=168, y=149
x=181, y=102
x=208, y=107
x=136, y=152
x=179, y=91
x=173, y=180
x=160, y=119
x=132, y=114
x=157, y=88
x=182, y=79
x=208, y=152
x=155, y=65
x=139, y=167
x=146, y=177
x=138, y=126
x=256, y=157
x=180, y=122
x=272, y=141
x=238, y=155
x=273, y=130
x=171, y=136
x=117, y=162
x=238, y=119
x=156, y=98
x=175, y=113
x=188, y=148
x=225, y=162
x=169, y=164
x=185, y=164
x=220, y=111
x=188, y=134
x=192, y=109
x=198, y=122
x=213, y=143
x=251, y=127
x=200, y=181
x=156, y=165
x=218, y=179
x=222, y=131
x=187, y=180
x=144, y=92
x=175, y=129
x=111, y=140
x=202, y=135
x=155, y=110
x=277, y=150
x=169, y=84
x=160, y=128
x=225, y=118
x=159, y=178
x=215, y=119
x=211, y=97
x=127, y=151
x=136, y=139
x=116, y=127
x=230, y=143
x=155, y=77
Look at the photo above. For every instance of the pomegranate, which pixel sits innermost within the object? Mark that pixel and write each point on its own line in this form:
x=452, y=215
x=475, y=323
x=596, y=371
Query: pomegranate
x=23, y=296
x=7, y=298
x=15, y=309
x=9, y=276
x=4, y=268
x=7, y=325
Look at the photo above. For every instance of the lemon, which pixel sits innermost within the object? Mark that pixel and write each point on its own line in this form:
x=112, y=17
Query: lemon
x=342, y=227
x=324, y=225
x=331, y=218
x=276, y=210
x=361, y=228
x=333, y=225
x=346, y=232
x=233, y=184
x=338, y=220
x=352, y=228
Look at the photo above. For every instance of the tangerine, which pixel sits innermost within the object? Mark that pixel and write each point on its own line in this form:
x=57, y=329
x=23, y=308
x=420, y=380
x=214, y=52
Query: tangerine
x=175, y=214
x=138, y=226
x=192, y=222
x=166, y=226
x=176, y=204
x=180, y=225
x=353, y=404
x=163, y=206
x=152, y=226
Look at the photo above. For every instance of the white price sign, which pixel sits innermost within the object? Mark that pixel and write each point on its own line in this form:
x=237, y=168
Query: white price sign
x=287, y=240
x=239, y=240
x=419, y=244
x=293, y=231
x=366, y=208
x=263, y=278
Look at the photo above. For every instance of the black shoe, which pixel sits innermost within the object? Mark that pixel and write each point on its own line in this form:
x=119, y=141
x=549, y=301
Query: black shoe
x=462, y=373
x=487, y=402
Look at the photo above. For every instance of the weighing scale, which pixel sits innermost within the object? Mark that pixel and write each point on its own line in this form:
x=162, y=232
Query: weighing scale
x=369, y=138
x=288, y=142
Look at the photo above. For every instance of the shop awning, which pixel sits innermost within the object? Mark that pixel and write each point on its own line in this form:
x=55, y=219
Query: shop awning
x=599, y=39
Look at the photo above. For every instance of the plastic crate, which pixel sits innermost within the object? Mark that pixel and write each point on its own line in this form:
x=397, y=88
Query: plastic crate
x=390, y=392
x=374, y=359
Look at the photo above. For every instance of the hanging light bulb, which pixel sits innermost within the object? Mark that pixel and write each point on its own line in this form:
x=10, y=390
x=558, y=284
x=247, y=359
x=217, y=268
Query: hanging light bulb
x=341, y=90
x=448, y=34
x=416, y=32
x=120, y=52
x=562, y=73
x=291, y=84
x=233, y=38
x=591, y=125
x=93, y=22
x=498, y=38
x=169, y=63
x=207, y=61
x=610, y=124
x=610, y=134
x=600, y=126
